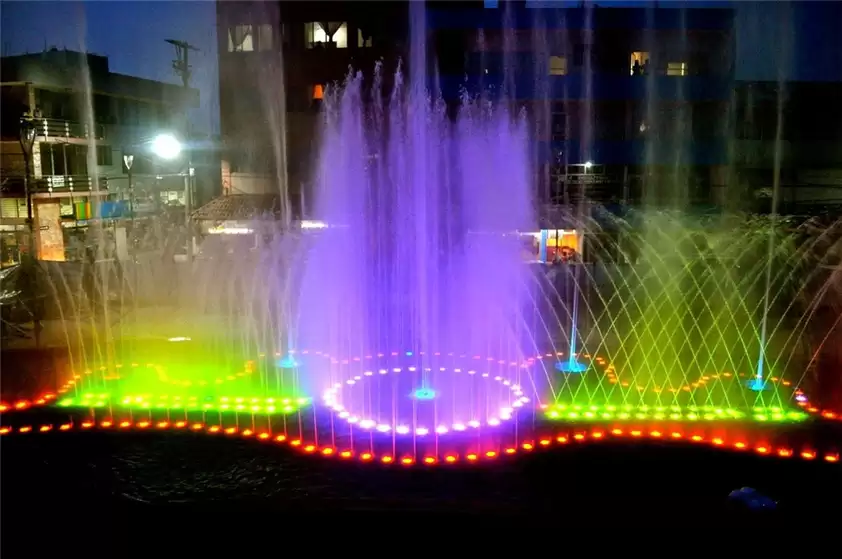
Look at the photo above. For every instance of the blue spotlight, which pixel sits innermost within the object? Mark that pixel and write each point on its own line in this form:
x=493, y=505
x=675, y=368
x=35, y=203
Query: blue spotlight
x=571, y=367
x=424, y=394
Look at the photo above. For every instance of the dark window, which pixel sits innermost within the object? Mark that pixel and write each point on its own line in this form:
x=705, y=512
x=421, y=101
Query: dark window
x=103, y=156
x=63, y=159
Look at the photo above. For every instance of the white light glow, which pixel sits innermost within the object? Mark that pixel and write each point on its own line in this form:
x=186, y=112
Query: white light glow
x=166, y=146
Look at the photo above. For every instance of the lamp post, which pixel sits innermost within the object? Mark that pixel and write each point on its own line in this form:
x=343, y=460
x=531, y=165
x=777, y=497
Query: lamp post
x=167, y=146
x=27, y=141
x=128, y=159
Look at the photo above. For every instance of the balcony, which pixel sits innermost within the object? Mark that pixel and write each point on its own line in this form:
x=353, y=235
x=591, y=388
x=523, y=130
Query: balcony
x=52, y=128
x=13, y=185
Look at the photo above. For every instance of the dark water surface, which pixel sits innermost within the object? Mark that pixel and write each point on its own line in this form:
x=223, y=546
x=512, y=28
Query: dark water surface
x=103, y=490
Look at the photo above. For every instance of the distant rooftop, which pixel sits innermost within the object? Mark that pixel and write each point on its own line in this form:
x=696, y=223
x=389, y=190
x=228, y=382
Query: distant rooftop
x=66, y=69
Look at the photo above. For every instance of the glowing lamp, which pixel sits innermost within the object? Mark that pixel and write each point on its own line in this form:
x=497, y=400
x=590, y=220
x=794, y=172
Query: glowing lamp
x=424, y=394
x=166, y=146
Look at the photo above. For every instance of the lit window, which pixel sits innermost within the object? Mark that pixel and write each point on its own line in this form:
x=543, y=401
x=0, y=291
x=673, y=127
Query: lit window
x=558, y=66
x=318, y=92
x=264, y=37
x=639, y=63
x=335, y=35
x=677, y=69
x=241, y=38
x=363, y=40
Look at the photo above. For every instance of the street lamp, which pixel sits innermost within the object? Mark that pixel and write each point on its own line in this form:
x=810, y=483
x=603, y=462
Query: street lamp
x=166, y=146
x=27, y=142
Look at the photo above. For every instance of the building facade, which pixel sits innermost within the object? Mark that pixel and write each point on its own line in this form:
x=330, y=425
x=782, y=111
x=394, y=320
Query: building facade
x=625, y=103
x=85, y=118
x=275, y=61
x=789, y=134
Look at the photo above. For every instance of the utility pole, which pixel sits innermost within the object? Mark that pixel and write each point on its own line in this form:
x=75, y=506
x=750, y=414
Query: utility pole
x=181, y=66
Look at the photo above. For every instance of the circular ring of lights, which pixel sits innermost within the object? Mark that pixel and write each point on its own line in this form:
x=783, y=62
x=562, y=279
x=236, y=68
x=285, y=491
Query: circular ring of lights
x=333, y=396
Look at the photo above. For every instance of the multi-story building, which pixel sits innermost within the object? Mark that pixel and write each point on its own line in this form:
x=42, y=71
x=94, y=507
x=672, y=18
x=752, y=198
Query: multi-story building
x=794, y=130
x=85, y=118
x=625, y=103
x=275, y=61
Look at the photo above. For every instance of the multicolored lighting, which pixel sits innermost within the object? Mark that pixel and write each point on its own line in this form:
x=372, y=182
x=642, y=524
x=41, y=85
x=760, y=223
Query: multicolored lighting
x=221, y=404
x=627, y=412
x=333, y=397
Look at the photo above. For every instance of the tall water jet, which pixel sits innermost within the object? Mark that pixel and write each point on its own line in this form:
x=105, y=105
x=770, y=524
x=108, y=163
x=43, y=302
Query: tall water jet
x=425, y=271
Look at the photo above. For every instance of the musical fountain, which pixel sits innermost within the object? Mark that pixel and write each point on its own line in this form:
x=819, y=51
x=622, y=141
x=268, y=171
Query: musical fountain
x=426, y=337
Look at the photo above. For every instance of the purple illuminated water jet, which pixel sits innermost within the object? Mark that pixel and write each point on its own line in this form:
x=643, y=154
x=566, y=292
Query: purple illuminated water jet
x=419, y=251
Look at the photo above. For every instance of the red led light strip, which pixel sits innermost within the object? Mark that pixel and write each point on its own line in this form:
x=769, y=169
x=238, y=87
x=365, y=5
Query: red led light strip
x=538, y=443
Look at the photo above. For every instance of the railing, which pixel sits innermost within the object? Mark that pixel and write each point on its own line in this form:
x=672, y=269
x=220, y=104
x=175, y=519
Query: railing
x=51, y=183
x=67, y=129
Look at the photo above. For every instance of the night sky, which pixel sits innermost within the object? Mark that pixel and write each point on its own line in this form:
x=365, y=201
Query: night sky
x=132, y=35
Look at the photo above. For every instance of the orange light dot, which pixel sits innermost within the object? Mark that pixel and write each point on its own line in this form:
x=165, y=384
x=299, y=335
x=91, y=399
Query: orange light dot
x=366, y=456
x=214, y=429
x=831, y=457
x=45, y=428
x=697, y=438
x=197, y=426
x=4, y=430
x=807, y=455
x=163, y=425
x=87, y=424
x=309, y=448
x=616, y=431
x=450, y=459
x=762, y=450
x=328, y=451
x=248, y=433
x=263, y=436
x=180, y=424
x=579, y=436
x=675, y=435
x=510, y=450
x=429, y=460
x=740, y=445
x=544, y=442
x=230, y=430
x=784, y=452
x=345, y=454
x=655, y=434
x=106, y=424
x=717, y=441
x=561, y=439
x=471, y=457
x=143, y=424
x=636, y=433
x=281, y=438
x=406, y=460
x=125, y=424
x=492, y=454
x=527, y=446
x=597, y=435
x=296, y=442
x=25, y=429
x=65, y=427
